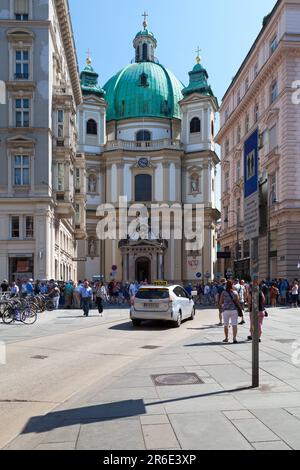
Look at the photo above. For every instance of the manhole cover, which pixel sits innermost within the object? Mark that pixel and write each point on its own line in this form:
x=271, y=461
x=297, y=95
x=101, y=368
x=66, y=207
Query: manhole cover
x=150, y=347
x=285, y=341
x=39, y=357
x=176, y=379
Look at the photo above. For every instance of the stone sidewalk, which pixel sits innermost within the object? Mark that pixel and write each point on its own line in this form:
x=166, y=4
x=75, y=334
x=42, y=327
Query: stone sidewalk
x=129, y=412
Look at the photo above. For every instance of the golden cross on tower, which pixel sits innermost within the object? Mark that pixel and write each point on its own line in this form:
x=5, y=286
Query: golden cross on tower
x=145, y=24
x=198, y=58
x=88, y=59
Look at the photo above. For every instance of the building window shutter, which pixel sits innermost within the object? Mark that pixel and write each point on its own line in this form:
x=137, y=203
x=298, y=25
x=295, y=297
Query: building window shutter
x=22, y=7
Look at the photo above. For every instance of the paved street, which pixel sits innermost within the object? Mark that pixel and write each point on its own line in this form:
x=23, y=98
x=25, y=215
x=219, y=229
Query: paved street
x=76, y=383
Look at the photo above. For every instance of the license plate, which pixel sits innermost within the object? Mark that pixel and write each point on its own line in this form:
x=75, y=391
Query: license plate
x=153, y=306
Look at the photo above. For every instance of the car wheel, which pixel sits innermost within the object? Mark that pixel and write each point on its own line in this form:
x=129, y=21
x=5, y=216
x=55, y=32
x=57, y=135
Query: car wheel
x=178, y=322
x=136, y=322
x=193, y=314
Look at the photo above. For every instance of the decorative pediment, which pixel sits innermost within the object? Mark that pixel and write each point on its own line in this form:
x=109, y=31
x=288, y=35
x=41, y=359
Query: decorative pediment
x=94, y=100
x=271, y=116
x=20, y=34
x=20, y=141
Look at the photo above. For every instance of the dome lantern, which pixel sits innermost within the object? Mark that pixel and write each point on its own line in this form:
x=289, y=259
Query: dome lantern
x=145, y=43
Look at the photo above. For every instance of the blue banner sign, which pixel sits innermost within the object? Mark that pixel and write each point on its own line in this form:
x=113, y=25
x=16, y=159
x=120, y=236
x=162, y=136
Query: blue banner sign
x=251, y=164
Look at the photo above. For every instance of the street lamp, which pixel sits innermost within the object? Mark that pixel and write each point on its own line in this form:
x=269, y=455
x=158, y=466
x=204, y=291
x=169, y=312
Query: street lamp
x=274, y=201
x=238, y=226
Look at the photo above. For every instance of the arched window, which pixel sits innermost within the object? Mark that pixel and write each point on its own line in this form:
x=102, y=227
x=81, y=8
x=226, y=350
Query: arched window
x=143, y=136
x=195, y=125
x=92, y=184
x=91, y=127
x=143, y=188
x=145, y=51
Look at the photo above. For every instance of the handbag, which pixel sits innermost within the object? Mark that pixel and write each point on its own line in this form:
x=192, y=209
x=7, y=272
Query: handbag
x=238, y=307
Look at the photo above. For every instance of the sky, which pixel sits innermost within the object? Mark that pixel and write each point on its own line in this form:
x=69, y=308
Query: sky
x=223, y=29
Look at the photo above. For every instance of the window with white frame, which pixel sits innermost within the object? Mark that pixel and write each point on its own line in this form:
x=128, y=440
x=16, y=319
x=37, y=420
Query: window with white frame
x=21, y=170
x=246, y=84
x=238, y=211
x=238, y=134
x=256, y=112
x=273, y=45
x=272, y=138
x=273, y=188
x=273, y=92
x=77, y=215
x=226, y=213
x=15, y=227
x=21, y=10
x=226, y=182
x=60, y=177
x=22, y=65
x=238, y=170
x=29, y=227
x=60, y=123
x=77, y=178
x=226, y=149
x=22, y=112
x=247, y=123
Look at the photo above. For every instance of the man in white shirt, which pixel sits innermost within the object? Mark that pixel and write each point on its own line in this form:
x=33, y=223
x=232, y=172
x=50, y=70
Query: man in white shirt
x=86, y=294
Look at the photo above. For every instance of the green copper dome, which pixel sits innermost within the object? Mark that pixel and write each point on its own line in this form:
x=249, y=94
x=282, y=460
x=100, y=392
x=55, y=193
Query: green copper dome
x=144, y=89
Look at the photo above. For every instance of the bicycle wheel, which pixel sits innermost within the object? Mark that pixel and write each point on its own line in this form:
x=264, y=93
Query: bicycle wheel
x=29, y=315
x=8, y=315
x=49, y=306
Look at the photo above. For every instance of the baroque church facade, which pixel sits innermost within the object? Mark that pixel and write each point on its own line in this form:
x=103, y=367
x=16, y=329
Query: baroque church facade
x=146, y=136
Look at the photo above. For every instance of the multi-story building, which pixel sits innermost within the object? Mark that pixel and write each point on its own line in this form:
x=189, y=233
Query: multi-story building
x=39, y=213
x=261, y=97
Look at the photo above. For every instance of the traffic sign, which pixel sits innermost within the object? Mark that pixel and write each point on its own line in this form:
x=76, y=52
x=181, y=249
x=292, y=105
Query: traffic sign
x=198, y=275
x=114, y=268
x=207, y=275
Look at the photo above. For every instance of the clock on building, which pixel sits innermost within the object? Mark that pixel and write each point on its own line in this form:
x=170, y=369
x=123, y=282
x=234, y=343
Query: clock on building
x=143, y=163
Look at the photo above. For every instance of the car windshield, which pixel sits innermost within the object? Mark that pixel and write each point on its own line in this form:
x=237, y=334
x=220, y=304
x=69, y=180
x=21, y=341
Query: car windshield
x=152, y=294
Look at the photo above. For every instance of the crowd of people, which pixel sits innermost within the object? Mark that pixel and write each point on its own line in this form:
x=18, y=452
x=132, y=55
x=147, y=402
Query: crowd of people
x=75, y=295
x=277, y=292
x=231, y=298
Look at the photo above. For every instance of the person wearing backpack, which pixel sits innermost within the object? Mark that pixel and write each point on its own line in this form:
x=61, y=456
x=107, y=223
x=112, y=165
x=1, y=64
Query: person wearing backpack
x=231, y=306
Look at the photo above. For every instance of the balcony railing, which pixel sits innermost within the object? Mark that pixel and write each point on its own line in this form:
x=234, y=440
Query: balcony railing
x=144, y=146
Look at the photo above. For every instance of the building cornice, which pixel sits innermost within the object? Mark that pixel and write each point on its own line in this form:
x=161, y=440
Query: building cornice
x=63, y=15
x=266, y=72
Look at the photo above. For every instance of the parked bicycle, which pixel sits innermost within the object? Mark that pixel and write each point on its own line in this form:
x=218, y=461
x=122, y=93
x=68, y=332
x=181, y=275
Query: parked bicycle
x=19, y=310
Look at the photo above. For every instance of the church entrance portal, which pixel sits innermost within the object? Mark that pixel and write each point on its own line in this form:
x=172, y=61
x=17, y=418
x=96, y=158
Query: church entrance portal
x=143, y=270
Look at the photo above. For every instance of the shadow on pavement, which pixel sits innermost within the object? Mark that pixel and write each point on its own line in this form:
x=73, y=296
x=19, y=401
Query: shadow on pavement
x=220, y=343
x=145, y=326
x=104, y=412
x=85, y=415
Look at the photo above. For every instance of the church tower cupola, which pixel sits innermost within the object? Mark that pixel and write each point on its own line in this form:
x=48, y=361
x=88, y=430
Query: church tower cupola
x=145, y=44
x=89, y=80
x=198, y=80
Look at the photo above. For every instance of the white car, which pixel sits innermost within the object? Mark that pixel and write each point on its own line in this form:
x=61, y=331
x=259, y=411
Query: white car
x=166, y=303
